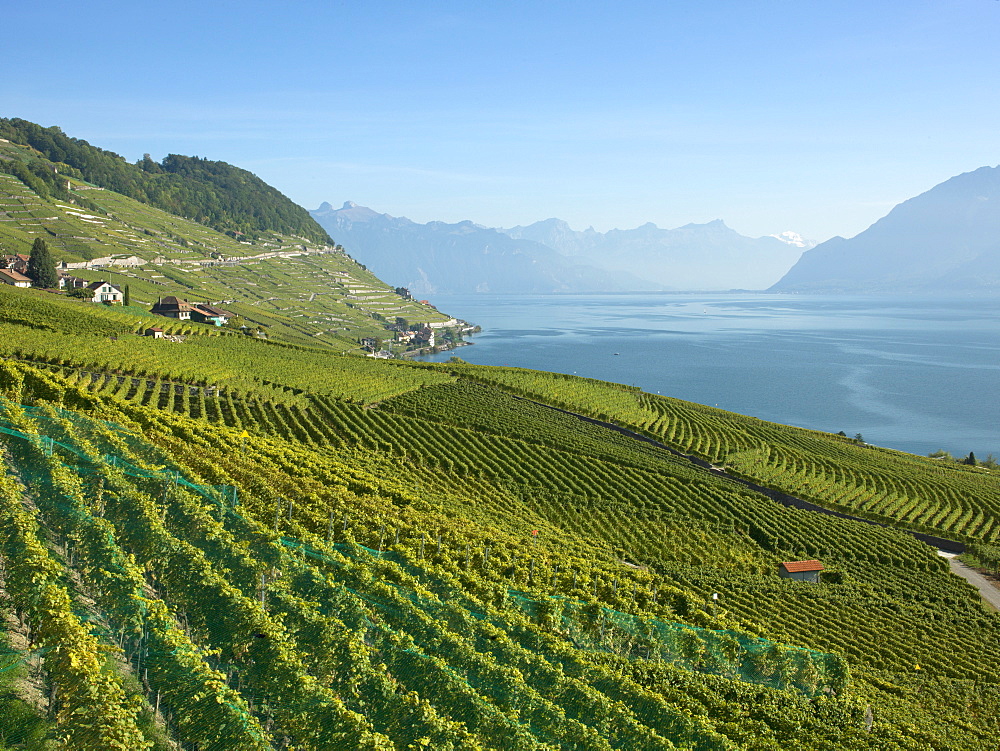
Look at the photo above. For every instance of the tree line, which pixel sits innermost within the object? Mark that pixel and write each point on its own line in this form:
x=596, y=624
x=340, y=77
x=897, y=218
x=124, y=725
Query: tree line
x=213, y=193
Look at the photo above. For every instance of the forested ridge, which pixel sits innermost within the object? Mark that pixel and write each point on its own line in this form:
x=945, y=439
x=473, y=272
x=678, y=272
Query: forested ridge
x=214, y=193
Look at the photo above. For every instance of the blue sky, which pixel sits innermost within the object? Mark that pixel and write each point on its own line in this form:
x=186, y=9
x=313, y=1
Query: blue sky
x=809, y=115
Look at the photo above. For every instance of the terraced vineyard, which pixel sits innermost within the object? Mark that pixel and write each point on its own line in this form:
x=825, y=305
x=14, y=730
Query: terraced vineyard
x=294, y=289
x=289, y=548
x=115, y=225
x=445, y=624
x=917, y=493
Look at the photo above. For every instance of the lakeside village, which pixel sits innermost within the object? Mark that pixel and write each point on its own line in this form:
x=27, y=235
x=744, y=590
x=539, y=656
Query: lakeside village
x=403, y=338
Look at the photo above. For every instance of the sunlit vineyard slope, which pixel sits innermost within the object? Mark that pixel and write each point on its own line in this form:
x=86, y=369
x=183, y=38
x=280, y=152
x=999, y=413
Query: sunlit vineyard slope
x=250, y=545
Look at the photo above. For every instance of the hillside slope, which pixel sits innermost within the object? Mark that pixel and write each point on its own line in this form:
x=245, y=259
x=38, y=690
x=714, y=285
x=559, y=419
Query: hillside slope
x=296, y=548
x=219, y=195
x=292, y=290
x=944, y=241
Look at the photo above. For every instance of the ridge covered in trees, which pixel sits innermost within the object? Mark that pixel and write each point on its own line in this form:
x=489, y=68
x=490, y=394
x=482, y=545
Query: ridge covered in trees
x=213, y=193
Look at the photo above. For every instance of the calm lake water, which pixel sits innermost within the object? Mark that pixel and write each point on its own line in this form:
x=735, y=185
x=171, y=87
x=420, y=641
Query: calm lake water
x=912, y=374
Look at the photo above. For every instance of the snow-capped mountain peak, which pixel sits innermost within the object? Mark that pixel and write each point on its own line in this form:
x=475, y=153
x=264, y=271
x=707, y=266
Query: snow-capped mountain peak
x=794, y=238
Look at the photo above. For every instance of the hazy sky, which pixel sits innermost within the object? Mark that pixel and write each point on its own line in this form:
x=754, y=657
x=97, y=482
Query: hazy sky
x=808, y=115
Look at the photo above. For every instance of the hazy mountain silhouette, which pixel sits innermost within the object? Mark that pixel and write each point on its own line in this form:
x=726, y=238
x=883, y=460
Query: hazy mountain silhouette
x=693, y=257
x=944, y=241
x=462, y=257
x=549, y=256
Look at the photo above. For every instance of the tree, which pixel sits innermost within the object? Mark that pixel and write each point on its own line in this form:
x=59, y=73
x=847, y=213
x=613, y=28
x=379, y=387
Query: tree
x=971, y=459
x=126, y=296
x=41, y=267
x=859, y=438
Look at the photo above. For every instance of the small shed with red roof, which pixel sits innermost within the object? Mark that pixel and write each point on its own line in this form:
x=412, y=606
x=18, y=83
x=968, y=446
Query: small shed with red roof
x=803, y=571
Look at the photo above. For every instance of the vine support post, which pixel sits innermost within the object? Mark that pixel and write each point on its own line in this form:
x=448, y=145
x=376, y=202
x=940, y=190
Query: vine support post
x=423, y=537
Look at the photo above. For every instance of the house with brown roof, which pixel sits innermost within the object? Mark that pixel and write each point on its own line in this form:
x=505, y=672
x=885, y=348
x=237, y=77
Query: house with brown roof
x=171, y=307
x=17, y=262
x=424, y=337
x=14, y=278
x=204, y=313
x=67, y=281
x=803, y=571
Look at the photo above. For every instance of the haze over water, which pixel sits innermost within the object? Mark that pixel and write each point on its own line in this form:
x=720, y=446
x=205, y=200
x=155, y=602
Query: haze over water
x=912, y=374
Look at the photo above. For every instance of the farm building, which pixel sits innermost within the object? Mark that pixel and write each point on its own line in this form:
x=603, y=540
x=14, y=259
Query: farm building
x=67, y=281
x=17, y=262
x=182, y=310
x=14, y=278
x=207, y=314
x=803, y=571
x=106, y=292
x=171, y=307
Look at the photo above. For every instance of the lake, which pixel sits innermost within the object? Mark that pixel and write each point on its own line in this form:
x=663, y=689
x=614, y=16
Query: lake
x=911, y=374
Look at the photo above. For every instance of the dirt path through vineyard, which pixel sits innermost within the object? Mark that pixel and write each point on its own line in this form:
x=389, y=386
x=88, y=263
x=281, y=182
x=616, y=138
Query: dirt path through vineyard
x=986, y=587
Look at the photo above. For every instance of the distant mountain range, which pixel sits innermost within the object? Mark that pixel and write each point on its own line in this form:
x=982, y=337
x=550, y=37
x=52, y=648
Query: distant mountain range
x=693, y=257
x=463, y=257
x=944, y=241
x=549, y=256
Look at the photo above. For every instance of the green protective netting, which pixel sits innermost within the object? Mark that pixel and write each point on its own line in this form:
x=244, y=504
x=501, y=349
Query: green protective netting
x=726, y=653
x=222, y=495
x=12, y=658
x=161, y=467
x=587, y=626
x=591, y=627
